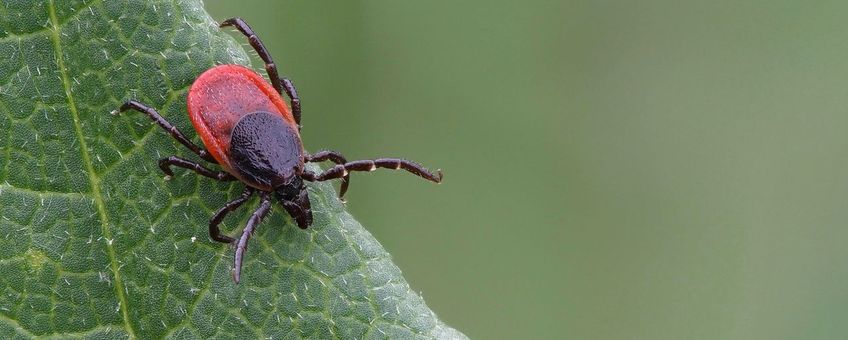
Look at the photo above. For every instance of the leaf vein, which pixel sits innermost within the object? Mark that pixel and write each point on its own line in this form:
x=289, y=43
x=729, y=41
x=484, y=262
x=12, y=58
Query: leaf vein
x=46, y=28
x=94, y=180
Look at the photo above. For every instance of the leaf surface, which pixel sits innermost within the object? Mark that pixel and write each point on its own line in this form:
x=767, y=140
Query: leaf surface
x=95, y=243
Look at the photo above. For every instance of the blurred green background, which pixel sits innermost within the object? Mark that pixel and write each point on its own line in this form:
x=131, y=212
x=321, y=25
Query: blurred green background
x=613, y=169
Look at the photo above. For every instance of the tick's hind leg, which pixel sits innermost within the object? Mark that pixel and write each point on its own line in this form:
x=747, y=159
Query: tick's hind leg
x=334, y=157
x=179, y=136
x=166, y=163
x=255, y=219
x=343, y=170
x=214, y=232
x=281, y=85
x=288, y=86
x=257, y=44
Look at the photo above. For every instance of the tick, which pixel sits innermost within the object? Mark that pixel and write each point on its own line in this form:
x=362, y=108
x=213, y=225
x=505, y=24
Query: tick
x=252, y=135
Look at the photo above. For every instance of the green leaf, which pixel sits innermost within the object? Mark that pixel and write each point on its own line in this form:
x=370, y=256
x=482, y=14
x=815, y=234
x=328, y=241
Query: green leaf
x=95, y=243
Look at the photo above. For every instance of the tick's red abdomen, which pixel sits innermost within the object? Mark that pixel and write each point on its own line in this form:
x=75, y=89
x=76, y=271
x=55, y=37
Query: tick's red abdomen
x=224, y=94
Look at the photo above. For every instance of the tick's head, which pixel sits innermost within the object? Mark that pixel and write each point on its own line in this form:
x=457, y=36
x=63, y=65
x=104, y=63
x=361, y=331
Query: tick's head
x=295, y=199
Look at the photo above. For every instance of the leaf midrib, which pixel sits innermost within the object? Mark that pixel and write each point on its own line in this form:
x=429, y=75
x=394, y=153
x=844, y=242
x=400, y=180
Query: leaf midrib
x=89, y=167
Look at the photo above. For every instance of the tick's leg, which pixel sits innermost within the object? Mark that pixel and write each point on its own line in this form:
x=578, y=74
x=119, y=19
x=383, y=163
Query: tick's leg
x=334, y=157
x=166, y=163
x=288, y=86
x=255, y=219
x=342, y=170
x=214, y=232
x=257, y=44
x=280, y=85
x=179, y=136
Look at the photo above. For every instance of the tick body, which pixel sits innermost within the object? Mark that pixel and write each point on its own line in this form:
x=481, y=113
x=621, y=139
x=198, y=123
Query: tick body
x=249, y=131
x=246, y=126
